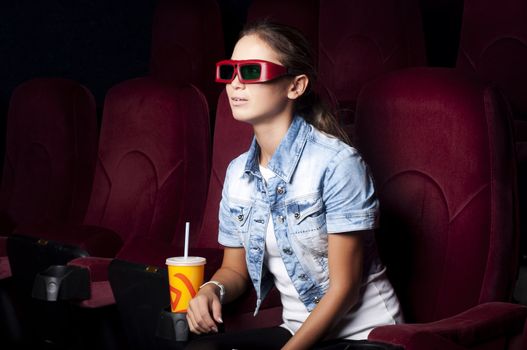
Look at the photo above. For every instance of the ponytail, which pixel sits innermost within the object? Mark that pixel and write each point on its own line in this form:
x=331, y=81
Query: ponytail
x=318, y=113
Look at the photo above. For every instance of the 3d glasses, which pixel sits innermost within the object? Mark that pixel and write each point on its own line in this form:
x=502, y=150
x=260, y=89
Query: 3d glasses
x=249, y=71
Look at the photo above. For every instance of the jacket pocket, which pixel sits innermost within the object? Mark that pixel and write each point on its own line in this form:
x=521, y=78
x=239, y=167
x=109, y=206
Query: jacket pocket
x=308, y=233
x=241, y=214
x=308, y=236
x=307, y=215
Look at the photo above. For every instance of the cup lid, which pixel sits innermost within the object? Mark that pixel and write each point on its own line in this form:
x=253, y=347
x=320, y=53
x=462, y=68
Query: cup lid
x=188, y=261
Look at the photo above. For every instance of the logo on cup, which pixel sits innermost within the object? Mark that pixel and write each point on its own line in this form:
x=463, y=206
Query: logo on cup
x=177, y=293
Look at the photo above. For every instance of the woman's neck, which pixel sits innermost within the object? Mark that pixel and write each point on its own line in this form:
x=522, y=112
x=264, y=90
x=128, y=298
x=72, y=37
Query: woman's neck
x=269, y=136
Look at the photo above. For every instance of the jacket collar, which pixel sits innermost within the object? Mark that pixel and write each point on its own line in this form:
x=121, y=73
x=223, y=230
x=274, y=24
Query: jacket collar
x=285, y=159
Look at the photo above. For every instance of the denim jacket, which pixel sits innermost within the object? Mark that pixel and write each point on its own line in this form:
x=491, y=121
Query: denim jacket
x=322, y=186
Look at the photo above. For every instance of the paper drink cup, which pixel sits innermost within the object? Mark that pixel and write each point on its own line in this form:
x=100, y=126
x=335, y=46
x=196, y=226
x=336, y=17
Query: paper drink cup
x=185, y=276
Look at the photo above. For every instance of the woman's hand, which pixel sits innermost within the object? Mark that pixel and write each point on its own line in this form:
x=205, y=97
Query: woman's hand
x=205, y=310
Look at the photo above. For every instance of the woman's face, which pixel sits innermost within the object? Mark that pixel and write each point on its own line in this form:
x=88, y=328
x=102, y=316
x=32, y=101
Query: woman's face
x=261, y=102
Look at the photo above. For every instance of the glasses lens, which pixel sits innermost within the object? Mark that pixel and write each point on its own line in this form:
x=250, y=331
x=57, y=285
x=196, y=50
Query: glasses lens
x=226, y=71
x=250, y=71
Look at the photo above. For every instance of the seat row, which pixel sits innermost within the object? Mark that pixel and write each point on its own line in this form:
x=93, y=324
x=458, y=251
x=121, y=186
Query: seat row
x=146, y=188
x=440, y=147
x=73, y=194
x=355, y=41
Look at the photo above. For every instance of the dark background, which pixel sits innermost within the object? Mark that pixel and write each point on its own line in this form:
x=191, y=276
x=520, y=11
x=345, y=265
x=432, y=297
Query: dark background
x=102, y=42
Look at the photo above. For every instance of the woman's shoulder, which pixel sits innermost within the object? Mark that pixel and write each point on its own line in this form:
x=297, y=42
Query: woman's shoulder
x=237, y=165
x=331, y=145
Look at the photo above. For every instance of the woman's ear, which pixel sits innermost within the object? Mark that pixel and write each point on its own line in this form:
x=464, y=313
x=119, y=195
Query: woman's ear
x=298, y=86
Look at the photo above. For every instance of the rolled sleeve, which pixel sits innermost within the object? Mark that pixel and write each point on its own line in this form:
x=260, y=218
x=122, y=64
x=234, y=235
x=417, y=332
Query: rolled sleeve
x=227, y=235
x=349, y=194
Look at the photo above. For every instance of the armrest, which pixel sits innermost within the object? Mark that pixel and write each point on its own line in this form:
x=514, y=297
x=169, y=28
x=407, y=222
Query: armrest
x=60, y=282
x=101, y=291
x=94, y=240
x=82, y=279
x=482, y=323
x=97, y=267
x=33, y=248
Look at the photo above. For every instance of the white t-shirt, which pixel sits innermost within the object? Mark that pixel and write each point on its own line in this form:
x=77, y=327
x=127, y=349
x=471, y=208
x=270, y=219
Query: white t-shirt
x=377, y=305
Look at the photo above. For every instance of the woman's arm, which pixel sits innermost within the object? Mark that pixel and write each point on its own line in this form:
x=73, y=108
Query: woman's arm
x=205, y=309
x=345, y=272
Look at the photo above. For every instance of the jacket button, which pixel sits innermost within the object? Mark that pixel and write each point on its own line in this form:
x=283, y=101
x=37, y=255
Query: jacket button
x=302, y=277
x=280, y=190
x=316, y=300
x=288, y=251
x=297, y=215
x=281, y=218
x=240, y=217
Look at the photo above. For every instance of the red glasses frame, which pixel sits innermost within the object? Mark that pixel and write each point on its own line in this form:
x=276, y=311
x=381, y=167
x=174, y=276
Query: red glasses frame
x=268, y=71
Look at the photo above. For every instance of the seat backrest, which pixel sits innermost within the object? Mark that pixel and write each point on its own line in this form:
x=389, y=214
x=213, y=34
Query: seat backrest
x=300, y=14
x=231, y=138
x=362, y=39
x=51, y=146
x=440, y=148
x=493, y=45
x=154, y=162
x=187, y=41
x=140, y=303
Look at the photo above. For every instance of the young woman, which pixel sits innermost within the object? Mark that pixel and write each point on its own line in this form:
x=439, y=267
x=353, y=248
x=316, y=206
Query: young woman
x=298, y=209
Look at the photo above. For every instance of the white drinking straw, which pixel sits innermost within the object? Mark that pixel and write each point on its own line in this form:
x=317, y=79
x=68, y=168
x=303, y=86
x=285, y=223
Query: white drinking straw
x=187, y=225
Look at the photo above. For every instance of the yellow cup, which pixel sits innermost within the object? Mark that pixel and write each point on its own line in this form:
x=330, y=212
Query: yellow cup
x=185, y=275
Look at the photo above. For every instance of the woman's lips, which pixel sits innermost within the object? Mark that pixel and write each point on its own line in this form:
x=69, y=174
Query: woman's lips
x=238, y=101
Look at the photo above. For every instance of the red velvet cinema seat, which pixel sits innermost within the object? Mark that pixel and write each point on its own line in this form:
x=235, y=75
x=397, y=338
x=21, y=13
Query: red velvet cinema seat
x=152, y=173
x=440, y=148
x=139, y=278
x=51, y=148
x=187, y=41
x=151, y=177
x=360, y=40
x=493, y=46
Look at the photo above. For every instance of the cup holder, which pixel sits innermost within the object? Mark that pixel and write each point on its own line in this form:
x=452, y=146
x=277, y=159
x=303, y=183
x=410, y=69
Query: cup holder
x=62, y=282
x=172, y=326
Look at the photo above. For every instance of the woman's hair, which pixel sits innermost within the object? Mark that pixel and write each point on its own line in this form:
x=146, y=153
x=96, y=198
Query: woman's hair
x=295, y=53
